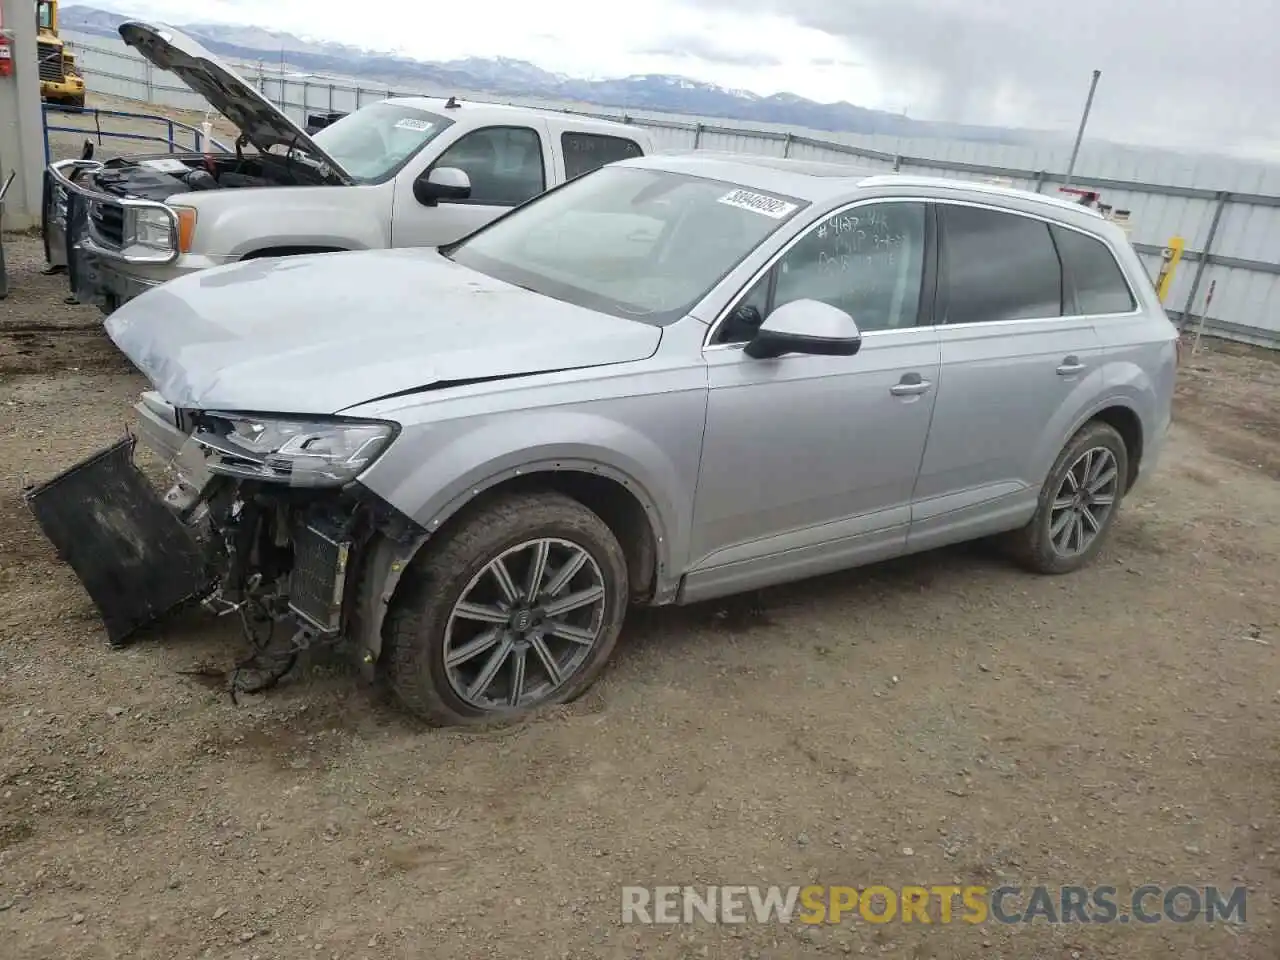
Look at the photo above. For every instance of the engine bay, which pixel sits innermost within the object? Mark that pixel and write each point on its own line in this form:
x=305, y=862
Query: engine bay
x=164, y=175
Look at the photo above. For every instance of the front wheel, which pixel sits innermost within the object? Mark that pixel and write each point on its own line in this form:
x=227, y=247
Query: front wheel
x=517, y=608
x=1078, y=503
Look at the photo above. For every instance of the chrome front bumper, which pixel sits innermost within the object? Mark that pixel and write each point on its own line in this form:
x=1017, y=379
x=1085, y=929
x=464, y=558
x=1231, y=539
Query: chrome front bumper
x=107, y=287
x=97, y=275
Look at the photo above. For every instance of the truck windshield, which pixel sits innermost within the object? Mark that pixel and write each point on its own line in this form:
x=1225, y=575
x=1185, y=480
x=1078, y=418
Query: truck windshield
x=633, y=242
x=373, y=143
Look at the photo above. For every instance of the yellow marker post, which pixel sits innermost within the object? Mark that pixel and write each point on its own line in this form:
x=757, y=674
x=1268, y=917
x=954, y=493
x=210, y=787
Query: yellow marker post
x=1169, y=259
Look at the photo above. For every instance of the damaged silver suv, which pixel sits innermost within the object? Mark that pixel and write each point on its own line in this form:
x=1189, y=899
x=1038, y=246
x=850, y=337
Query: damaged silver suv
x=671, y=379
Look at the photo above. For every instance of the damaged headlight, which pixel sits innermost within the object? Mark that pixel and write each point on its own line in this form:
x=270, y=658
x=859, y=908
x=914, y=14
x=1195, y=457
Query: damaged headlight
x=148, y=227
x=302, y=453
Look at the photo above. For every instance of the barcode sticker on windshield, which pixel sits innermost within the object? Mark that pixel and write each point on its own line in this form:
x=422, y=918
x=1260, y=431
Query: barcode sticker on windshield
x=409, y=123
x=758, y=203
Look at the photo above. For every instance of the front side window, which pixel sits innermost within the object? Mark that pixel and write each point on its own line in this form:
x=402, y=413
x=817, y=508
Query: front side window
x=373, y=143
x=584, y=152
x=504, y=164
x=998, y=266
x=867, y=261
x=636, y=243
x=1095, y=277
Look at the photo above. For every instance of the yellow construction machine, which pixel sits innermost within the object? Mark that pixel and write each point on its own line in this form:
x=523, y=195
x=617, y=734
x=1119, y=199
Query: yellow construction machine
x=60, y=80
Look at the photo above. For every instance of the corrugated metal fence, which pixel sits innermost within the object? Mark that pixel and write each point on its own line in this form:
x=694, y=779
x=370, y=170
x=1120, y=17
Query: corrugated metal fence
x=1227, y=211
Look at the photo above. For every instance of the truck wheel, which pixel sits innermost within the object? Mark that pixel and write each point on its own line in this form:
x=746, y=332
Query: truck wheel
x=1078, y=503
x=517, y=608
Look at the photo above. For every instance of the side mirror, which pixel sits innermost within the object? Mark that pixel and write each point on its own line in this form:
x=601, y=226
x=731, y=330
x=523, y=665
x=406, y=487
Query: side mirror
x=805, y=326
x=441, y=183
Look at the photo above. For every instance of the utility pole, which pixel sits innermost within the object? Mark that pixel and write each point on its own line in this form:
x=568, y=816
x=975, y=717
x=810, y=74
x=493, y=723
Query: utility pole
x=1084, y=120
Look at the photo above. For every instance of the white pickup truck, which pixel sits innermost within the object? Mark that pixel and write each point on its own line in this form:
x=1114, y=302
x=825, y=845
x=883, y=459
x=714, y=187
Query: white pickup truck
x=404, y=172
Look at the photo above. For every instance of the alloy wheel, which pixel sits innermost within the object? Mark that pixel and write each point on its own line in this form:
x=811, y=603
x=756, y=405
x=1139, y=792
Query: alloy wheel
x=1084, y=501
x=524, y=625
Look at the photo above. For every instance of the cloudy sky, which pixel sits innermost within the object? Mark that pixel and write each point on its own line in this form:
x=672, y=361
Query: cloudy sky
x=1175, y=73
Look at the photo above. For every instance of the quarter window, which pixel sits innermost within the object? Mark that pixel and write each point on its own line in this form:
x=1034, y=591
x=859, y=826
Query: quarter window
x=998, y=266
x=1092, y=274
x=867, y=261
x=504, y=164
x=584, y=152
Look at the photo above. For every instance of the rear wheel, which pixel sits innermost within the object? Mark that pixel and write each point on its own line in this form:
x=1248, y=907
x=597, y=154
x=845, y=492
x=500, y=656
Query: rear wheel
x=518, y=608
x=1078, y=503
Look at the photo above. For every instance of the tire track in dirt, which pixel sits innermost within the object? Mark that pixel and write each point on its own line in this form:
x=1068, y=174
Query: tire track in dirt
x=58, y=348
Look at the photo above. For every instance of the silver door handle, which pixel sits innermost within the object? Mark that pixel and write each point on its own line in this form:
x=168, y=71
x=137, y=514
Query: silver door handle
x=1070, y=367
x=912, y=389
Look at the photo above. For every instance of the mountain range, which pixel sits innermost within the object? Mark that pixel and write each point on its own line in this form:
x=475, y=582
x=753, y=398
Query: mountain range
x=504, y=76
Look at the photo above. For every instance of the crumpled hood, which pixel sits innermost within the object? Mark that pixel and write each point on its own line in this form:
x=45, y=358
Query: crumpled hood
x=323, y=332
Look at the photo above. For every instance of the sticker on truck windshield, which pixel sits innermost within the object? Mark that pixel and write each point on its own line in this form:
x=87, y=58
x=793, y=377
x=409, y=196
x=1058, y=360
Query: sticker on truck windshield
x=758, y=203
x=409, y=123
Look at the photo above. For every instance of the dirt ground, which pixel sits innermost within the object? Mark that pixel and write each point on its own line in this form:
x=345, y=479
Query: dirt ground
x=943, y=719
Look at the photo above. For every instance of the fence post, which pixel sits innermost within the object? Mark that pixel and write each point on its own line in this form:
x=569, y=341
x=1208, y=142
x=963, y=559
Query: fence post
x=697, y=135
x=897, y=162
x=786, y=146
x=44, y=127
x=151, y=90
x=172, y=148
x=1223, y=197
x=1039, y=181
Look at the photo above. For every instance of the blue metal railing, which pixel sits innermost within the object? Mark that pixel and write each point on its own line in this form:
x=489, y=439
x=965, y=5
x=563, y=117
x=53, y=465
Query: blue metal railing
x=172, y=128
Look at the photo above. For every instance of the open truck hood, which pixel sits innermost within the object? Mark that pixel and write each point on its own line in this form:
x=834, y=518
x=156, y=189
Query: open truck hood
x=320, y=333
x=261, y=122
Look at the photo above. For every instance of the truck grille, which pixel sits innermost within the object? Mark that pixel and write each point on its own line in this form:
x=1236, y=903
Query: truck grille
x=50, y=55
x=318, y=579
x=108, y=222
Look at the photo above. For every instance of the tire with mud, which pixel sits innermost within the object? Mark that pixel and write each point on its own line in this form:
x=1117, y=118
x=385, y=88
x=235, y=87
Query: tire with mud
x=1078, y=503
x=515, y=608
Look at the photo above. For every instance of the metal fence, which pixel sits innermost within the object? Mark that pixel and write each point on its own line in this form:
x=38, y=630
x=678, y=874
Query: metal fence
x=1227, y=211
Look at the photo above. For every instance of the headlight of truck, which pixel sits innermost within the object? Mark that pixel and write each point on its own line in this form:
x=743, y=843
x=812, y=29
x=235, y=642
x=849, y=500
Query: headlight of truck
x=301, y=453
x=149, y=227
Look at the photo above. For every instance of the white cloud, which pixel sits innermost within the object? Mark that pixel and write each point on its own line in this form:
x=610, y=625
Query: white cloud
x=584, y=38
x=1172, y=74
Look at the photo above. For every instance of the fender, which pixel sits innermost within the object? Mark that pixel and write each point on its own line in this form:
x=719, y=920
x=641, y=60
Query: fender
x=468, y=453
x=389, y=558
x=232, y=223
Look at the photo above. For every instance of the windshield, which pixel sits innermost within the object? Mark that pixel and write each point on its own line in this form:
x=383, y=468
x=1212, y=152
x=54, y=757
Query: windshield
x=636, y=243
x=44, y=15
x=373, y=143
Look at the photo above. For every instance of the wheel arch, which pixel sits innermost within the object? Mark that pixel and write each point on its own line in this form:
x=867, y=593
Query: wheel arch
x=613, y=496
x=1126, y=422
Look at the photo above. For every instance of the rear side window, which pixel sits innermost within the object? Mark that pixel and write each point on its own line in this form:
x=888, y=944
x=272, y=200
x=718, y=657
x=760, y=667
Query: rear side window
x=1092, y=274
x=584, y=152
x=998, y=266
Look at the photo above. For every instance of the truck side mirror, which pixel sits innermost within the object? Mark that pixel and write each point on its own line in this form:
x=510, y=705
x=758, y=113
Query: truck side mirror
x=441, y=183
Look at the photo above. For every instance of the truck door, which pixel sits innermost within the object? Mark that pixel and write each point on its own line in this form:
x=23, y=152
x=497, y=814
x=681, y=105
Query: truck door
x=507, y=165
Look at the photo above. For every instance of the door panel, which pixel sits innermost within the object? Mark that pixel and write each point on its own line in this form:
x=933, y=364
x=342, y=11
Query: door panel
x=809, y=462
x=1002, y=409
x=1010, y=389
x=506, y=165
x=803, y=451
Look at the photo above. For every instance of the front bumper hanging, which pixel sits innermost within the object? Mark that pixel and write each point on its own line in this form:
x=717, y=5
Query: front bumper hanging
x=135, y=557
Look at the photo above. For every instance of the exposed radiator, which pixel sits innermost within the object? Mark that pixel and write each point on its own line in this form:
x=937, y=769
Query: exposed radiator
x=319, y=575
